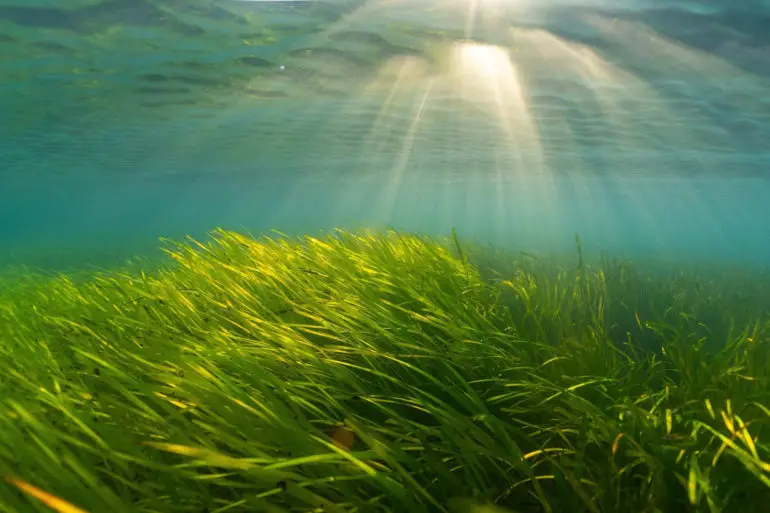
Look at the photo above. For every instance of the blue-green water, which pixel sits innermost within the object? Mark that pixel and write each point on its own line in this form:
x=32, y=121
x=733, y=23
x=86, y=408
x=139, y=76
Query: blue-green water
x=640, y=125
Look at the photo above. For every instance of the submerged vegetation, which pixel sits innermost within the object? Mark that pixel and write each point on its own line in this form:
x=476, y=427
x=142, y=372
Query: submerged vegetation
x=383, y=373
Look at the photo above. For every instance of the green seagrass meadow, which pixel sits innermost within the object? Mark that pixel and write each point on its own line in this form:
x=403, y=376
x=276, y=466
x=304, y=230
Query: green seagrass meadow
x=383, y=372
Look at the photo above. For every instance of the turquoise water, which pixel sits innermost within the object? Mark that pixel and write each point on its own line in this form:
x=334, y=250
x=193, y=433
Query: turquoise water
x=640, y=125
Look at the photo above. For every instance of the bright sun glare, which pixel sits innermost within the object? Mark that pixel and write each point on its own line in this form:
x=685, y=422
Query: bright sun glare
x=489, y=62
x=505, y=97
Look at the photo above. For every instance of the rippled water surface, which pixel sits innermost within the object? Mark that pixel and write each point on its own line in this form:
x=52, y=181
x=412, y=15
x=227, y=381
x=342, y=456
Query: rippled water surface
x=642, y=125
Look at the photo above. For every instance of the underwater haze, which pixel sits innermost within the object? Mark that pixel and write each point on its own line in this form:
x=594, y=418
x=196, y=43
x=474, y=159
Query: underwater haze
x=384, y=256
x=641, y=125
